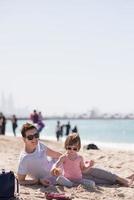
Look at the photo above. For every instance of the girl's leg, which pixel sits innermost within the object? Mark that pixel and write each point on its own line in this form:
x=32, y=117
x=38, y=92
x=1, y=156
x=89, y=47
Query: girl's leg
x=88, y=183
x=61, y=180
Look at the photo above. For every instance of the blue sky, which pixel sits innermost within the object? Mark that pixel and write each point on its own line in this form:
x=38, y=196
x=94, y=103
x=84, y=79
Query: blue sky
x=68, y=56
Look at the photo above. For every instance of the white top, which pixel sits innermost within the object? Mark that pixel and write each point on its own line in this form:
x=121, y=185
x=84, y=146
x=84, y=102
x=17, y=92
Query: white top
x=35, y=164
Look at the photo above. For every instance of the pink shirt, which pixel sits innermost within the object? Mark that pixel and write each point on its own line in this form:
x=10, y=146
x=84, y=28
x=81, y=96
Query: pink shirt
x=72, y=169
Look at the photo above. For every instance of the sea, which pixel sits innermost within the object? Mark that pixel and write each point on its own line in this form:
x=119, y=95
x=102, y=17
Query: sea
x=110, y=133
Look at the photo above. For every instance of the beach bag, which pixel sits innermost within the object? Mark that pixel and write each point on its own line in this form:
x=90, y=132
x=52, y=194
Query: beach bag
x=8, y=183
x=92, y=146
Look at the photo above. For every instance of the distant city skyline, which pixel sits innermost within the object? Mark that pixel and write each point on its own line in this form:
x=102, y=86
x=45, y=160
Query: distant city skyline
x=67, y=56
x=8, y=108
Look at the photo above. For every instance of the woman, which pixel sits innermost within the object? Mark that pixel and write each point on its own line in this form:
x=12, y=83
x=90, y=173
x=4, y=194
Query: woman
x=33, y=160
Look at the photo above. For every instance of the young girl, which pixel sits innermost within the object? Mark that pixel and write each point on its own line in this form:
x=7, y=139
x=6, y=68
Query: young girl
x=72, y=164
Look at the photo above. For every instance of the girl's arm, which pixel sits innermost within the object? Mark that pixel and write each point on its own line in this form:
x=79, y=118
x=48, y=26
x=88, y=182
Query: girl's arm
x=86, y=165
x=56, y=171
x=53, y=154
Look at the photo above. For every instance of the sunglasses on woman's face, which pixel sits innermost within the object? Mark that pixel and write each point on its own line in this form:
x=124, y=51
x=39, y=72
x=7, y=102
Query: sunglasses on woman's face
x=31, y=137
x=72, y=148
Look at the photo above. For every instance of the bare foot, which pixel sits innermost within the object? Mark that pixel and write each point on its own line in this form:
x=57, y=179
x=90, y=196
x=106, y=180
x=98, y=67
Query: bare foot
x=131, y=177
x=123, y=182
x=132, y=180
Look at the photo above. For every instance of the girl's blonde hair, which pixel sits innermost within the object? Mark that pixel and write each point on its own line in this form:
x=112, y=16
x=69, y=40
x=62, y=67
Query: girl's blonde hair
x=72, y=139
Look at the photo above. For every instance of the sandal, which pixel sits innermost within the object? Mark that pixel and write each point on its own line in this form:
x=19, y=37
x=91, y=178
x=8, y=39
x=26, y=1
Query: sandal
x=54, y=195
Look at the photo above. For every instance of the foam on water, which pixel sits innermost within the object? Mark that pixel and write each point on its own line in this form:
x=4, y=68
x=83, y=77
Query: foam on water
x=118, y=134
x=101, y=145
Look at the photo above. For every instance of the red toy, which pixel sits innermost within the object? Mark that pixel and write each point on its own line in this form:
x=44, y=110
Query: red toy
x=54, y=195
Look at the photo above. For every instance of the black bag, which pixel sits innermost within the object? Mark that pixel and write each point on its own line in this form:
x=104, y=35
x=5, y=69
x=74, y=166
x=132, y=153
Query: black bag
x=7, y=185
x=92, y=146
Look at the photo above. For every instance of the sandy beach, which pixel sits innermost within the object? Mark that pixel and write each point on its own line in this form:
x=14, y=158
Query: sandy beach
x=120, y=162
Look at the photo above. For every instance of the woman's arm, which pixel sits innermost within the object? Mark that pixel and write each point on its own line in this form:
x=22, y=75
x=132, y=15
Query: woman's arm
x=53, y=154
x=23, y=181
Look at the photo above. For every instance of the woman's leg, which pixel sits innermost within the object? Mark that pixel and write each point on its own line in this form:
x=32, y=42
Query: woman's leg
x=101, y=176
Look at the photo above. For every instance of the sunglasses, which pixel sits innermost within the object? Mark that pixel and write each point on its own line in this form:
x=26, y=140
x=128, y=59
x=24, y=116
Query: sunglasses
x=31, y=137
x=72, y=148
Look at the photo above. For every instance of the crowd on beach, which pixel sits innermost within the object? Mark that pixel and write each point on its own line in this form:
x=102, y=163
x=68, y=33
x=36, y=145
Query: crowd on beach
x=60, y=129
x=38, y=120
x=3, y=121
x=35, y=117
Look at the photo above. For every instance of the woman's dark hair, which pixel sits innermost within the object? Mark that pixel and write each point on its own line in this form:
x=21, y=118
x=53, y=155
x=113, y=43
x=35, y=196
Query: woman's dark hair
x=27, y=127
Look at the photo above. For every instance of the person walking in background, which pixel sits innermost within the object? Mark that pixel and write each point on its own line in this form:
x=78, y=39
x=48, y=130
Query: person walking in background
x=40, y=123
x=14, y=124
x=34, y=117
x=72, y=163
x=1, y=122
x=58, y=130
x=68, y=127
x=3, y=125
x=61, y=130
x=75, y=129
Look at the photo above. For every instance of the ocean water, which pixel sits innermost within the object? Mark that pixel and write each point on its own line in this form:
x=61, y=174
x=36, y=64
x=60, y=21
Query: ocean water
x=104, y=133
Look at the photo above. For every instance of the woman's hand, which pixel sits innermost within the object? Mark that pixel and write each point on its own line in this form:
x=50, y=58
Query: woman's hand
x=23, y=181
x=45, y=182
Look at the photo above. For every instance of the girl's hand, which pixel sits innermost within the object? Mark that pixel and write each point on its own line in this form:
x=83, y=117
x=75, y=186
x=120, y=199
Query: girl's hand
x=56, y=171
x=89, y=163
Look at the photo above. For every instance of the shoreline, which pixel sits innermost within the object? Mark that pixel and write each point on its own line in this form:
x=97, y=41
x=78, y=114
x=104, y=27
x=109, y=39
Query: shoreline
x=101, y=145
x=103, y=134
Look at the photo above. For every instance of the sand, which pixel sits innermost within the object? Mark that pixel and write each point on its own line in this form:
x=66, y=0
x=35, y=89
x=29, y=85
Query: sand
x=117, y=161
